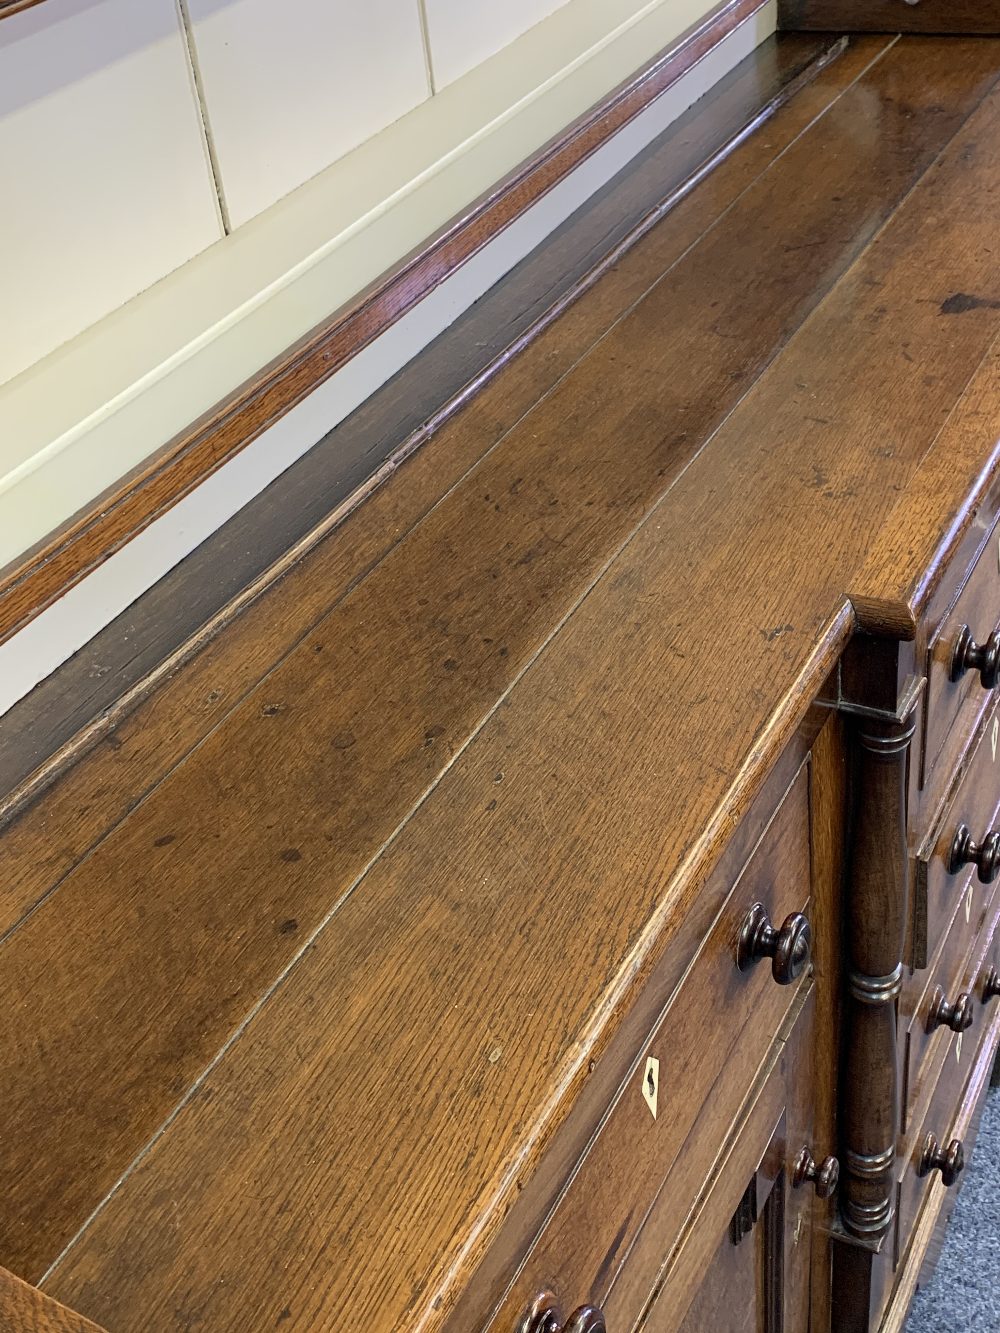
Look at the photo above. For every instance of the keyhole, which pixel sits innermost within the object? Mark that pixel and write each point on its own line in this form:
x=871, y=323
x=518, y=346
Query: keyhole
x=650, y=1082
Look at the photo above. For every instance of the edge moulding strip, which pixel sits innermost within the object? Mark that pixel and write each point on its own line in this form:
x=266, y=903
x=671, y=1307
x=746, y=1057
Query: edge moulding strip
x=50, y=729
x=67, y=592
x=496, y=225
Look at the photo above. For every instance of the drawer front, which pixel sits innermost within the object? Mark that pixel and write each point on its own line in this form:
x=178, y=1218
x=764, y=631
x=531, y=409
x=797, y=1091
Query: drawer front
x=977, y=610
x=945, y=1007
x=938, y=1121
x=979, y=978
x=941, y=883
x=679, y=1246
x=711, y=1039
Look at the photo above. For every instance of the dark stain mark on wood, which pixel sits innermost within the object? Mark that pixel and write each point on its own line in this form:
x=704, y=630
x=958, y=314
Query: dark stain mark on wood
x=961, y=303
x=291, y=854
x=609, y=1258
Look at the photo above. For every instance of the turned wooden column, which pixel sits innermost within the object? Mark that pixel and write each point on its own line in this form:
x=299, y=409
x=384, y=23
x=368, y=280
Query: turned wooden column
x=877, y=897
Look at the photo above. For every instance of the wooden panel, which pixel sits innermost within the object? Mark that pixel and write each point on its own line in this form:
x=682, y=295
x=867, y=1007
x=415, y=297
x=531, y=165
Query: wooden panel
x=415, y=634
x=929, y=16
x=966, y=1066
x=735, y=1015
x=480, y=866
x=946, y=975
x=101, y=528
x=978, y=608
x=777, y=1294
x=25, y=1309
x=937, y=889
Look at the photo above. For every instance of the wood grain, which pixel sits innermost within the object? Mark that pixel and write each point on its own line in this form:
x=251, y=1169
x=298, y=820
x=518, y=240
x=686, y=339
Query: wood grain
x=8, y=7
x=402, y=678
x=478, y=870
x=257, y=545
x=736, y=1015
x=103, y=526
x=926, y=16
x=25, y=1309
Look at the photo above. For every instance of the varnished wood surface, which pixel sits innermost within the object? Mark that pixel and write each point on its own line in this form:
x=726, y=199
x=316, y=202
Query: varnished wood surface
x=520, y=831
x=928, y=16
x=737, y=1016
x=8, y=7
x=531, y=562
x=104, y=525
x=25, y=1309
x=417, y=404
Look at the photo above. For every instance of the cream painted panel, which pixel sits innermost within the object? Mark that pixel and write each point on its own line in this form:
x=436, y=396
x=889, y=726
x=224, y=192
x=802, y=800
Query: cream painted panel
x=104, y=177
x=289, y=88
x=464, y=33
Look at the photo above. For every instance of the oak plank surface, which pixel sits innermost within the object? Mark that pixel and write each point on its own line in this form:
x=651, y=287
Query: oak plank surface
x=297, y=1138
x=138, y=750
x=55, y=564
x=933, y=516
x=926, y=16
x=417, y=402
x=130, y=977
x=25, y=1309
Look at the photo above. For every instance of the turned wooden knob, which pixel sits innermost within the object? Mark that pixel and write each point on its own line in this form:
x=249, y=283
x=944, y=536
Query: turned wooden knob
x=957, y=1016
x=544, y=1316
x=981, y=657
x=788, y=948
x=824, y=1175
x=949, y=1161
x=985, y=856
x=991, y=985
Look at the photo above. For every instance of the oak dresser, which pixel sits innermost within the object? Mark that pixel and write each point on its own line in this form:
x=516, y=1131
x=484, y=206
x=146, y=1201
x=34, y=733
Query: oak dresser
x=566, y=899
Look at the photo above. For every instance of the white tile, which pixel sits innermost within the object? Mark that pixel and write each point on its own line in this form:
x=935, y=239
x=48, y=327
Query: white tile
x=464, y=33
x=104, y=180
x=289, y=88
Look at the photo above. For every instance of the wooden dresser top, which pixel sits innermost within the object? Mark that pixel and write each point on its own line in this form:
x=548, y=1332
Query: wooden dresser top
x=388, y=863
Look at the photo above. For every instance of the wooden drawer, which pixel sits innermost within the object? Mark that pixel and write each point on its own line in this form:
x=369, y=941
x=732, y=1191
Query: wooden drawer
x=719, y=1018
x=977, y=610
x=938, y=1121
x=742, y=1255
x=943, y=988
x=960, y=1054
x=938, y=888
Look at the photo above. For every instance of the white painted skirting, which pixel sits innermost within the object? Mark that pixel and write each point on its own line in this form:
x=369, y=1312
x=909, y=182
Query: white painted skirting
x=36, y=651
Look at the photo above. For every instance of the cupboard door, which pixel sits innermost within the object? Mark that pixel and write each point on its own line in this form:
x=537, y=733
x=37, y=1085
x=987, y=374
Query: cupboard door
x=743, y=1264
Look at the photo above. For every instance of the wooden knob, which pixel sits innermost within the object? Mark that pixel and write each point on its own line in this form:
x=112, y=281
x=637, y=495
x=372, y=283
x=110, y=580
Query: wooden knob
x=957, y=1016
x=991, y=985
x=985, y=856
x=544, y=1316
x=823, y=1175
x=981, y=657
x=788, y=948
x=949, y=1161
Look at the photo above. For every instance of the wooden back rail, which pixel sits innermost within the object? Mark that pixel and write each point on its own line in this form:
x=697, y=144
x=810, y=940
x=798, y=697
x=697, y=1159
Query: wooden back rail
x=47, y=571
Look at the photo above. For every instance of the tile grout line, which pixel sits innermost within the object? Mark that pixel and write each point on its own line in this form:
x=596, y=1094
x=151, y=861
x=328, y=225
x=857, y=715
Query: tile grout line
x=194, y=69
x=425, y=37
